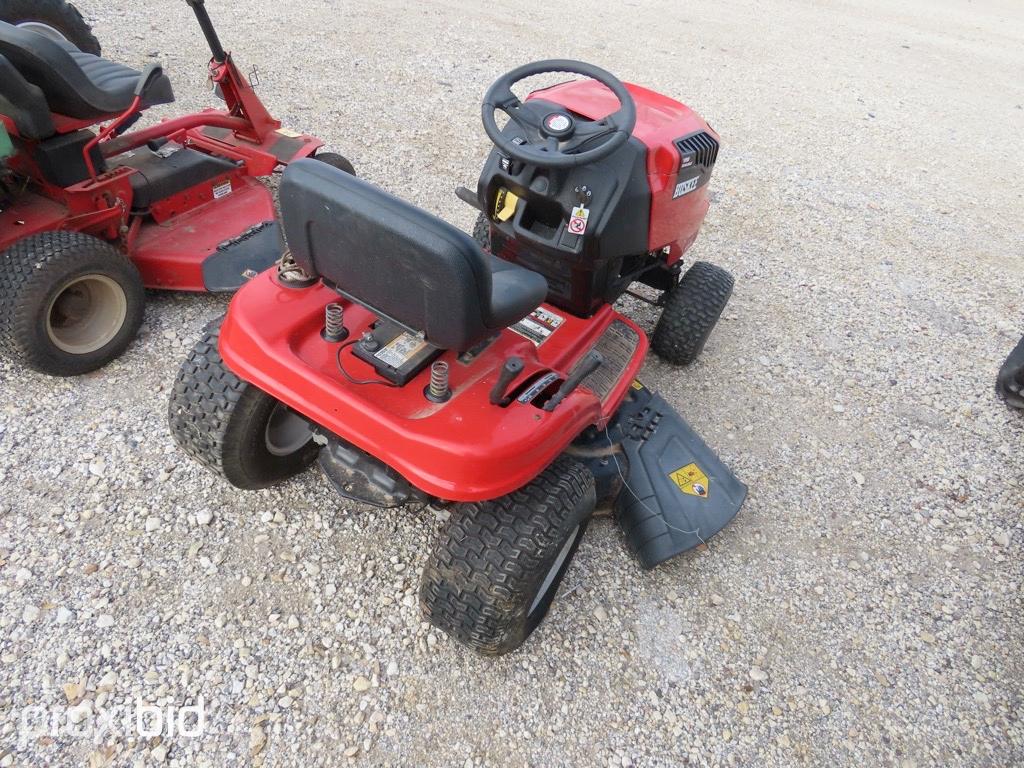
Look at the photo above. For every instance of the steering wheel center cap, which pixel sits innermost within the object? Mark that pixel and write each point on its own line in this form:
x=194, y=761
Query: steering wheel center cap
x=559, y=125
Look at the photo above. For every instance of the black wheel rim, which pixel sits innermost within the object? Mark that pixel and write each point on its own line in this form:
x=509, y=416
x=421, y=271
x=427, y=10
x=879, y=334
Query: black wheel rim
x=286, y=432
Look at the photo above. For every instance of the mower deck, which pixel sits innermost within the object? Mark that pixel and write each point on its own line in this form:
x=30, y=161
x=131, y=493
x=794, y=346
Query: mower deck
x=465, y=449
x=183, y=253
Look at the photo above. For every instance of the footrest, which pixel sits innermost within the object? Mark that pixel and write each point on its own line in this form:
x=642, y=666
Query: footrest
x=677, y=493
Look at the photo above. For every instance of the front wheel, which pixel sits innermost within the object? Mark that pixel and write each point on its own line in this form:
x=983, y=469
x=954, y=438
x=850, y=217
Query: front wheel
x=240, y=432
x=336, y=160
x=69, y=303
x=496, y=570
x=692, y=309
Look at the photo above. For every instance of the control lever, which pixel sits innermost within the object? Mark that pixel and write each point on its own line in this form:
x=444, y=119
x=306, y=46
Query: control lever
x=469, y=197
x=512, y=368
x=587, y=366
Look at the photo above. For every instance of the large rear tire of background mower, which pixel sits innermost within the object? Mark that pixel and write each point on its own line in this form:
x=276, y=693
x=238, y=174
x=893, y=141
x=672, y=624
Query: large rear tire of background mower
x=496, y=570
x=55, y=19
x=240, y=432
x=1010, y=383
x=335, y=160
x=692, y=309
x=69, y=303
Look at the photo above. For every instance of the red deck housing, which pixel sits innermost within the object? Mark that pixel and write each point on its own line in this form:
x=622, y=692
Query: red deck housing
x=465, y=449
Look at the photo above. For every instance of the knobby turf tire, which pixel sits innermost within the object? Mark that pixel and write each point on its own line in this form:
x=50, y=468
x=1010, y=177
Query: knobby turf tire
x=220, y=421
x=493, y=558
x=34, y=271
x=482, y=232
x=691, y=311
x=59, y=14
x=1010, y=383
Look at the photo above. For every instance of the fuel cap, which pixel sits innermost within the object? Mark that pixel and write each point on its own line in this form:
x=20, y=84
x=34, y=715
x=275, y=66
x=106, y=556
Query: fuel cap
x=559, y=125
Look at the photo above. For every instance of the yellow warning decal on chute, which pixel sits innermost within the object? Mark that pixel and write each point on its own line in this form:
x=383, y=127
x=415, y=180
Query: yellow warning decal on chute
x=691, y=480
x=505, y=205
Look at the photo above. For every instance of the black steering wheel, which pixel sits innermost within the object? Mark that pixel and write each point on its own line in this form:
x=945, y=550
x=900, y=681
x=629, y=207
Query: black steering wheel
x=555, y=138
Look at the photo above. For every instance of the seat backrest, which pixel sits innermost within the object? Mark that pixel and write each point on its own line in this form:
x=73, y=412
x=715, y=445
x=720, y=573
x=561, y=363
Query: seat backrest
x=24, y=103
x=386, y=254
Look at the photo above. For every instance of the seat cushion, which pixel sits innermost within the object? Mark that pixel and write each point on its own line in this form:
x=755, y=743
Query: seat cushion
x=77, y=84
x=400, y=261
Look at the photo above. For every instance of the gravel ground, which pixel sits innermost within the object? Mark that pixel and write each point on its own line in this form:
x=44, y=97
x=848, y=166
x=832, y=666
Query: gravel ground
x=864, y=608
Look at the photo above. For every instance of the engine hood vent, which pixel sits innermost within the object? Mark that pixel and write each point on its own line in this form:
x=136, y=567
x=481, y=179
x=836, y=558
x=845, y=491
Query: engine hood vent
x=698, y=149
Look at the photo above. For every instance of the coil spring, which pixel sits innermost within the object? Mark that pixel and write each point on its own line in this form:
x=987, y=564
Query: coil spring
x=439, y=381
x=334, y=317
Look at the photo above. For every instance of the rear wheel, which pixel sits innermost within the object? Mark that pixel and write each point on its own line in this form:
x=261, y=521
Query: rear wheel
x=55, y=19
x=240, y=432
x=498, y=566
x=69, y=303
x=335, y=160
x=692, y=309
x=1010, y=383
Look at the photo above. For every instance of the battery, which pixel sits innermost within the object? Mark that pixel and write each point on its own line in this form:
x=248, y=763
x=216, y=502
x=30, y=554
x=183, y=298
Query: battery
x=396, y=353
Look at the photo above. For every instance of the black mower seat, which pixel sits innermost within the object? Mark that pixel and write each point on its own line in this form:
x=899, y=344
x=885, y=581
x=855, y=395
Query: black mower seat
x=78, y=84
x=24, y=103
x=400, y=261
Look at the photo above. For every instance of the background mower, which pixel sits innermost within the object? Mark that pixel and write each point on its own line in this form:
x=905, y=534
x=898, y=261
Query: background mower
x=415, y=366
x=91, y=213
x=55, y=19
x=1010, y=382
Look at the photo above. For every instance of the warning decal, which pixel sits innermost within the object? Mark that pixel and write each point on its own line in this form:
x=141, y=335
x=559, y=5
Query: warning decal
x=538, y=325
x=578, y=220
x=691, y=480
x=222, y=190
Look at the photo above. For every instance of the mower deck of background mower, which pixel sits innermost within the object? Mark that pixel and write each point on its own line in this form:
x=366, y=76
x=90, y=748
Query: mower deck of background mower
x=182, y=199
x=417, y=366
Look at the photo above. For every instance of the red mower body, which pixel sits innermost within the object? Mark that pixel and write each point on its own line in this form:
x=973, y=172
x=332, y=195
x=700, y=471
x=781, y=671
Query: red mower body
x=465, y=449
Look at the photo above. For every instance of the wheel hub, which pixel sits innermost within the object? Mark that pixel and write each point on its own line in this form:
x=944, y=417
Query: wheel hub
x=86, y=314
x=286, y=432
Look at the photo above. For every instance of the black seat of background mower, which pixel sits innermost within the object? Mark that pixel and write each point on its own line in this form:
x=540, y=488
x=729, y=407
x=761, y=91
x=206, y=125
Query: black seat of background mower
x=400, y=261
x=168, y=171
x=77, y=84
x=24, y=103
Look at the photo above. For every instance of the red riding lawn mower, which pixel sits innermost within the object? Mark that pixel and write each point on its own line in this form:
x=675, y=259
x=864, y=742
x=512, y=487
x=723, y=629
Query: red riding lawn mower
x=90, y=213
x=417, y=367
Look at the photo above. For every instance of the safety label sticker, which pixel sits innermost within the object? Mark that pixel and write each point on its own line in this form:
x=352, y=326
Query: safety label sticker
x=288, y=133
x=538, y=325
x=691, y=480
x=400, y=349
x=222, y=190
x=684, y=187
x=578, y=220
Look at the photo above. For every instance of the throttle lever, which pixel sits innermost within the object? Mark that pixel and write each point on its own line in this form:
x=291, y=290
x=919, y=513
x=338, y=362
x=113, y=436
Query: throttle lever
x=587, y=366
